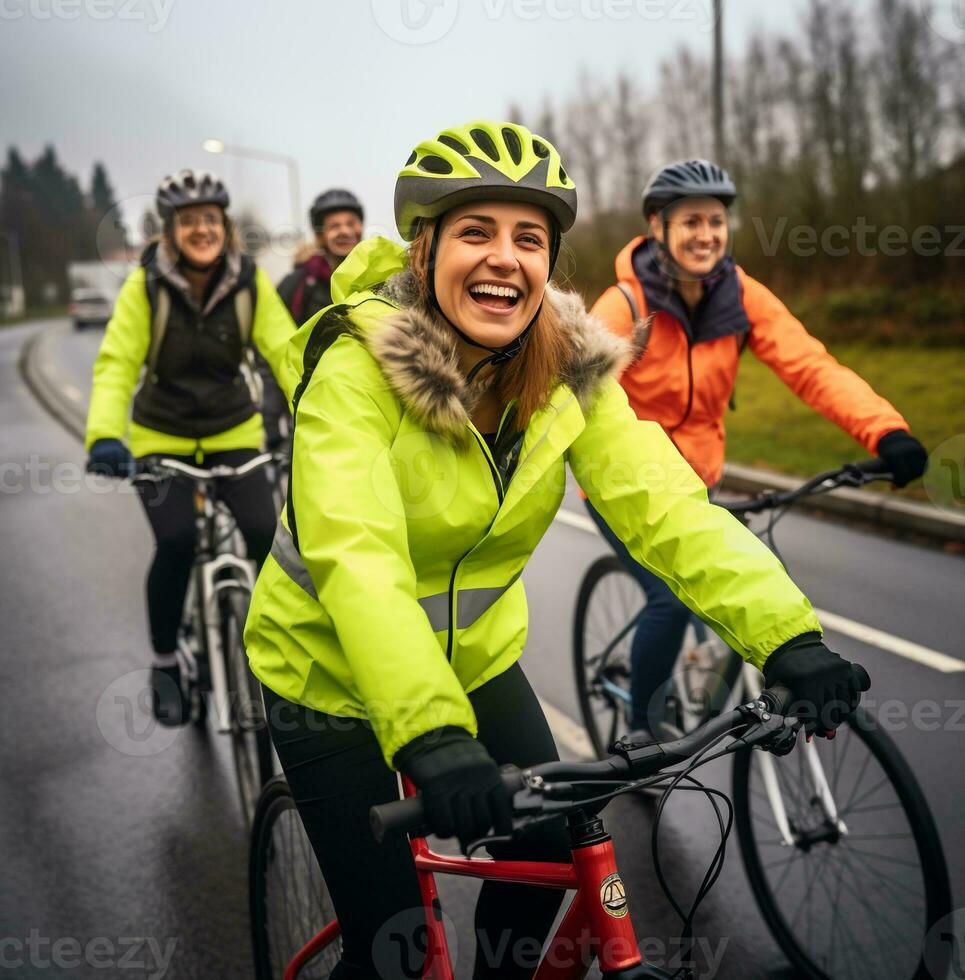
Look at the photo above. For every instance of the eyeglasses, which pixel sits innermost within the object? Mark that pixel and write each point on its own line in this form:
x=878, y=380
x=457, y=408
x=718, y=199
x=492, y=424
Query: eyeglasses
x=206, y=219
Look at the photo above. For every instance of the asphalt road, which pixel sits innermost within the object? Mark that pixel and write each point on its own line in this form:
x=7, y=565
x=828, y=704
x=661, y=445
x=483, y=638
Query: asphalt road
x=120, y=840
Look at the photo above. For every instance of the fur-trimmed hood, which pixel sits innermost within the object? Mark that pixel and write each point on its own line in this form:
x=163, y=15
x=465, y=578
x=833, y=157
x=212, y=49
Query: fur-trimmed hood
x=417, y=351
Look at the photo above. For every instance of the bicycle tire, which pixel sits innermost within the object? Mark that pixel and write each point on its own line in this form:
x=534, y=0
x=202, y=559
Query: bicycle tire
x=250, y=743
x=200, y=689
x=927, y=844
x=277, y=835
x=595, y=704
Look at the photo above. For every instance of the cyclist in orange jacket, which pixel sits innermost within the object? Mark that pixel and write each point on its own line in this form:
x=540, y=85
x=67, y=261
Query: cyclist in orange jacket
x=705, y=309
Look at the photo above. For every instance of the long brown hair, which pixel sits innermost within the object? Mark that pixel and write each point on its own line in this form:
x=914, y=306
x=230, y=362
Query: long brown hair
x=529, y=378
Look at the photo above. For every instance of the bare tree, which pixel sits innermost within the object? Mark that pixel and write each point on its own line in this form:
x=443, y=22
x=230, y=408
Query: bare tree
x=586, y=142
x=686, y=106
x=631, y=138
x=907, y=75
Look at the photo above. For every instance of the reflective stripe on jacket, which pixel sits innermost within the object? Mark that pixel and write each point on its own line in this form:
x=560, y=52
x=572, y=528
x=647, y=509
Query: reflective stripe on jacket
x=686, y=386
x=121, y=360
x=404, y=592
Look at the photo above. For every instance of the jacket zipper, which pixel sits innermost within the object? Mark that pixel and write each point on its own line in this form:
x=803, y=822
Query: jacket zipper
x=497, y=483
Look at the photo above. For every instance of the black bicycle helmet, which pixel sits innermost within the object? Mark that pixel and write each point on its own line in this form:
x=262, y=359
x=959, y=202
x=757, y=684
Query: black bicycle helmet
x=687, y=178
x=335, y=199
x=189, y=187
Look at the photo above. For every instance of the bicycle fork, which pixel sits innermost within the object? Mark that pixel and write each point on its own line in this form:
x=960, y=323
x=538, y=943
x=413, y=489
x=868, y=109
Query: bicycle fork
x=213, y=584
x=772, y=788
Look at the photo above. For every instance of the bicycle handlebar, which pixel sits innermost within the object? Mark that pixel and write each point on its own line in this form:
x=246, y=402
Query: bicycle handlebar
x=165, y=468
x=765, y=712
x=849, y=475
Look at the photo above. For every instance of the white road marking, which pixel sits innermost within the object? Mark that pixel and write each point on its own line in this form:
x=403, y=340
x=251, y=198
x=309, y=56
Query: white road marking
x=840, y=624
x=893, y=644
x=569, y=735
x=74, y=394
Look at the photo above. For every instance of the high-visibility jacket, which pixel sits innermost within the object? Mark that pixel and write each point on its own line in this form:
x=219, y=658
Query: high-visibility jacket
x=685, y=382
x=402, y=592
x=195, y=398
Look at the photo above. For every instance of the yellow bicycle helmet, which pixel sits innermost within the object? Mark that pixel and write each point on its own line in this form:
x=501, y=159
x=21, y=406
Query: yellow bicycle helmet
x=482, y=160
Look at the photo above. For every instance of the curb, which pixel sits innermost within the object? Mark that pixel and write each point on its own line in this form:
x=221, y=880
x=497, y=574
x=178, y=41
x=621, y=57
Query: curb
x=46, y=388
x=880, y=509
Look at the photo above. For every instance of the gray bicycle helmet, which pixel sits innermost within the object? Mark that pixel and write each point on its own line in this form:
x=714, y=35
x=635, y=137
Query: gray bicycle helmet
x=687, y=178
x=335, y=199
x=189, y=187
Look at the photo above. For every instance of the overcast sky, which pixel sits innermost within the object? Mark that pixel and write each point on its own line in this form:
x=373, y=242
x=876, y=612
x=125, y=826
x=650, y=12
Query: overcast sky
x=347, y=87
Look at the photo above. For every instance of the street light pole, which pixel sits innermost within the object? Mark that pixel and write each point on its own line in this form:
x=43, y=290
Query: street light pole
x=719, y=83
x=294, y=183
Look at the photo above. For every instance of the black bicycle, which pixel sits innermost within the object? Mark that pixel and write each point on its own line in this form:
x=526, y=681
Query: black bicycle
x=844, y=818
x=211, y=651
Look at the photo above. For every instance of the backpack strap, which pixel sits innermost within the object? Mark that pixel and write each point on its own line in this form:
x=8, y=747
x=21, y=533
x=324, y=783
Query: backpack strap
x=631, y=299
x=245, y=312
x=159, y=300
x=742, y=341
x=324, y=331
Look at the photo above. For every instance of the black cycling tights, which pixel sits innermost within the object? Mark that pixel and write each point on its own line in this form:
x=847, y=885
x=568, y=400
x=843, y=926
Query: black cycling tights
x=336, y=771
x=170, y=509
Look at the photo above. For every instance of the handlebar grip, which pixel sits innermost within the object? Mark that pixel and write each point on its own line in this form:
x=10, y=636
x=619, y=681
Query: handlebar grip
x=778, y=699
x=398, y=816
x=874, y=467
x=408, y=815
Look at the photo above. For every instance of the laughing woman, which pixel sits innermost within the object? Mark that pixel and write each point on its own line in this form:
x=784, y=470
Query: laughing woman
x=441, y=398
x=182, y=324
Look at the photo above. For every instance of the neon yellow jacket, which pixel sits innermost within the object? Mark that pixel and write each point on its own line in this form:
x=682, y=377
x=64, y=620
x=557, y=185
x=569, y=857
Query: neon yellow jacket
x=122, y=356
x=404, y=592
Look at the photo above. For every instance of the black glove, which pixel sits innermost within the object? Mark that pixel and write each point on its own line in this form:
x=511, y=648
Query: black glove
x=825, y=687
x=905, y=455
x=110, y=457
x=462, y=790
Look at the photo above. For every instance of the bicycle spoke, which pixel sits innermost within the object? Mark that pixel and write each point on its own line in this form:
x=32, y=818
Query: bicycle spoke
x=857, y=782
x=896, y=883
x=852, y=803
x=884, y=857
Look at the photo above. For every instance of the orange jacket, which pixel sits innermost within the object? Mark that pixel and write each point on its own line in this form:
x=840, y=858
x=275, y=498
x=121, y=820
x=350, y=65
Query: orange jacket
x=686, y=387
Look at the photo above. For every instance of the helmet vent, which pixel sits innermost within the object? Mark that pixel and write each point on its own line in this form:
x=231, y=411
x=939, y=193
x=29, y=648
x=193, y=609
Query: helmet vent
x=540, y=149
x=485, y=143
x=563, y=176
x=411, y=159
x=435, y=165
x=513, y=145
x=454, y=144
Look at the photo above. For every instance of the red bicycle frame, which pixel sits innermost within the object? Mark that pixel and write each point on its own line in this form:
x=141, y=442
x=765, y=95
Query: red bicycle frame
x=597, y=922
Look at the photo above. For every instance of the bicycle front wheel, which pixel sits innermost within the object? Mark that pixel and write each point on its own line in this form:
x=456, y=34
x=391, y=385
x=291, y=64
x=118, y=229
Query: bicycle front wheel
x=289, y=901
x=607, y=609
x=250, y=743
x=853, y=899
